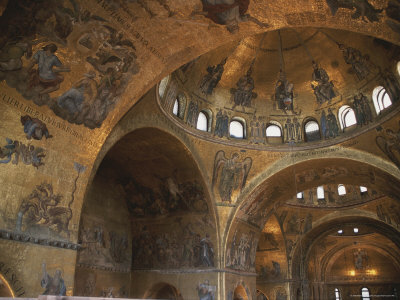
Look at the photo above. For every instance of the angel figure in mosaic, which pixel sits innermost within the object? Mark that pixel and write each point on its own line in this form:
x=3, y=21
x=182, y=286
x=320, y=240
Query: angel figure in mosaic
x=230, y=174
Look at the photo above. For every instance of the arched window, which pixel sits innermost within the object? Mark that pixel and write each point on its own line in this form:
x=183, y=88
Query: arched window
x=202, y=121
x=381, y=99
x=162, y=86
x=236, y=129
x=347, y=117
x=311, y=129
x=175, y=110
x=365, y=294
x=337, y=294
x=341, y=190
x=398, y=68
x=273, y=131
x=320, y=192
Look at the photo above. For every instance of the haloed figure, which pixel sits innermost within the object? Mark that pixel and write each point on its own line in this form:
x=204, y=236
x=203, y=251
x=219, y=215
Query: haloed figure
x=53, y=285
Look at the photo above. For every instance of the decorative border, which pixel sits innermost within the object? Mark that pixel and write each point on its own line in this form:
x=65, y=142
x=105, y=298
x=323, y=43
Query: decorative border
x=25, y=238
x=93, y=267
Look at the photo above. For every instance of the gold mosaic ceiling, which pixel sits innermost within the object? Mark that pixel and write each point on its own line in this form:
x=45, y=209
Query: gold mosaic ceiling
x=300, y=47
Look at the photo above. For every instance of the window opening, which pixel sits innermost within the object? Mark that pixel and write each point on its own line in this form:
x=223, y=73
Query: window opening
x=381, y=99
x=300, y=195
x=398, y=68
x=163, y=86
x=320, y=192
x=312, y=131
x=347, y=117
x=202, y=122
x=340, y=231
x=365, y=294
x=355, y=229
x=341, y=190
x=273, y=131
x=337, y=294
x=236, y=130
x=363, y=189
x=175, y=110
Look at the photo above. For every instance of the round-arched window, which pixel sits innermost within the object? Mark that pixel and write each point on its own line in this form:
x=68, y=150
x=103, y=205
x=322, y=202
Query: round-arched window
x=236, y=129
x=162, y=86
x=202, y=121
x=381, y=99
x=347, y=117
x=341, y=190
x=273, y=131
x=311, y=129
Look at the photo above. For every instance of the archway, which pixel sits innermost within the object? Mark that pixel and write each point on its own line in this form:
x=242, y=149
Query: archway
x=278, y=196
x=147, y=210
x=163, y=291
x=341, y=254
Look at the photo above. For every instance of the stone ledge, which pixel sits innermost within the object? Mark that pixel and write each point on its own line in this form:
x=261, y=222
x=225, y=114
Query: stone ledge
x=25, y=238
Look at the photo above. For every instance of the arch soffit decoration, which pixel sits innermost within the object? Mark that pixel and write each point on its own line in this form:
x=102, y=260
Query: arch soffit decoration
x=258, y=187
x=133, y=128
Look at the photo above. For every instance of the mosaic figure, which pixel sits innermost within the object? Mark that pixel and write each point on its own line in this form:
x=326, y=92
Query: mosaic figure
x=332, y=128
x=322, y=86
x=41, y=208
x=34, y=128
x=28, y=154
x=284, y=93
x=230, y=174
x=210, y=80
x=206, y=291
x=362, y=110
x=243, y=94
x=358, y=62
x=45, y=76
x=192, y=114
x=389, y=143
x=53, y=285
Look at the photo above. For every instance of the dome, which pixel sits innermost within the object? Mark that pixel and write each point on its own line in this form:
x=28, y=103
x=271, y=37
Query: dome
x=314, y=85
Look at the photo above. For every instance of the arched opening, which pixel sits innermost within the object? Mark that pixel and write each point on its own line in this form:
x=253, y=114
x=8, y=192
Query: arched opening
x=175, y=109
x=381, y=99
x=311, y=130
x=347, y=117
x=237, y=129
x=162, y=86
x=273, y=133
x=365, y=294
x=147, y=209
x=341, y=190
x=203, y=121
x=5, y=288
x=337, y=294
x=294, y=227
x=163, y=291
